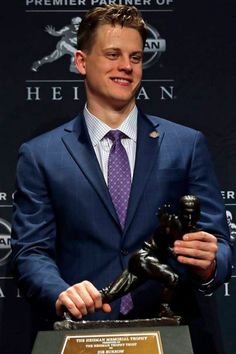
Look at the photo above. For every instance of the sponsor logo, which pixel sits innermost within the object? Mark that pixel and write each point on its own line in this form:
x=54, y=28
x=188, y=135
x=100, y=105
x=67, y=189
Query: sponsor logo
x=154, y=46
x=5, y=238
x=231, y=224
x=229, y=197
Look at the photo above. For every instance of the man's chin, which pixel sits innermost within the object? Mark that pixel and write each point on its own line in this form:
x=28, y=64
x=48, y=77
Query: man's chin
x=122, y=102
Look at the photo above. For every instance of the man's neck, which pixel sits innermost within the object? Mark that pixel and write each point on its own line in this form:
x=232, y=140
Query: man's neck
x=112, y=116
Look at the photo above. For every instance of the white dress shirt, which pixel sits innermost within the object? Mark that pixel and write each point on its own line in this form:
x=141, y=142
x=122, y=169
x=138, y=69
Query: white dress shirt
x=102, y=145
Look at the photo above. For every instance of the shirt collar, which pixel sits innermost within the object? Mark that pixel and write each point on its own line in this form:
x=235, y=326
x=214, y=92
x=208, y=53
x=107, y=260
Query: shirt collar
x=98, y=129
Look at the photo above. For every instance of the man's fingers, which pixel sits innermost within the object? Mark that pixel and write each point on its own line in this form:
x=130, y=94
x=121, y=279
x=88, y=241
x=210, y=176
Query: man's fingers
x=73, y=302
x=195, y=262
x=195, y=245
x=200, y=236
x=199, y=245
x=198, y=250
x=90, y=295
x=106, y=308
x=80, y=299
x=64, y=302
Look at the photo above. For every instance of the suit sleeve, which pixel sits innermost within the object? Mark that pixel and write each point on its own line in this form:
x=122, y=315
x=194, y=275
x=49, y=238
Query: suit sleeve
x=34, y=234
x=203, y=183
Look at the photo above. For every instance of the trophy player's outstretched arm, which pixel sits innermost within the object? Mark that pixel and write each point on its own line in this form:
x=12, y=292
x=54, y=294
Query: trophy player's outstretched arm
x=121, y=286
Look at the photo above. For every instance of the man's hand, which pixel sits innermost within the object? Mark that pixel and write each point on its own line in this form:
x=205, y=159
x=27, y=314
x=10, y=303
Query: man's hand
x=198, y=250
x=80, y=299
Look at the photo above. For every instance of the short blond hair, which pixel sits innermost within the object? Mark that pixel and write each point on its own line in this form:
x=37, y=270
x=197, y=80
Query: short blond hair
x=122, y=15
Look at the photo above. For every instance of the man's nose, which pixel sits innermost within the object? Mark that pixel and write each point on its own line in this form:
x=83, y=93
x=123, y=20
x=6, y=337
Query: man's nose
x=125, y=63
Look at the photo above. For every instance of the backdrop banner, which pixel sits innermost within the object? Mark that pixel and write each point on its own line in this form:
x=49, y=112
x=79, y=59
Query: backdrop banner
x=189, y=73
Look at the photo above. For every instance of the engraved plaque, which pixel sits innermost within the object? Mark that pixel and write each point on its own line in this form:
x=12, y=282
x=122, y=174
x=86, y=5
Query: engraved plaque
x=122, y=343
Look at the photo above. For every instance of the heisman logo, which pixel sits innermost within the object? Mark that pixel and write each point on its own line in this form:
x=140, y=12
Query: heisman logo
x=154, y=46
x=232, y=225
x=5, y=237
x=66, y=45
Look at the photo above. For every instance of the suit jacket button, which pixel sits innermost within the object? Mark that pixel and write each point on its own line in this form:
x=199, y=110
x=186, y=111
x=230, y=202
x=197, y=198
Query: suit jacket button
x=124, y=252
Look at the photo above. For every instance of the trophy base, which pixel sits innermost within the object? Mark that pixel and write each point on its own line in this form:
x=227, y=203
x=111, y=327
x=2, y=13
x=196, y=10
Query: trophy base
x=156, y=336
x=68, y=324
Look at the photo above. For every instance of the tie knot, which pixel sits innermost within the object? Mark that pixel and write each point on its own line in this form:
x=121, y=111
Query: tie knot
x=115, y=135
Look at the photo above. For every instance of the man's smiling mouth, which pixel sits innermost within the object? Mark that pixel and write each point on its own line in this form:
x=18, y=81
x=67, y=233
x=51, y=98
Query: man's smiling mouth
x=121, y=80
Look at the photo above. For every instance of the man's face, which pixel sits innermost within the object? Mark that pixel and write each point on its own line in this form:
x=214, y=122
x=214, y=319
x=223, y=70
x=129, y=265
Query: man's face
x=113, y=66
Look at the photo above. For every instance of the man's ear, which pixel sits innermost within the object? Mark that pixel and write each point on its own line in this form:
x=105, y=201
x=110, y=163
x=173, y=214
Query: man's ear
x=80, y=62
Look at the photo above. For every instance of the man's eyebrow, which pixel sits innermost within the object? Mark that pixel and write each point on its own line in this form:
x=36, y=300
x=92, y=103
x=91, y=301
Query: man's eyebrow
x=112, y=48
x=119, y=49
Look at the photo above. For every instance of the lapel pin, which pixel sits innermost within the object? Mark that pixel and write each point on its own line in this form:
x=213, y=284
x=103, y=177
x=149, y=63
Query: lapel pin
x=154, y=134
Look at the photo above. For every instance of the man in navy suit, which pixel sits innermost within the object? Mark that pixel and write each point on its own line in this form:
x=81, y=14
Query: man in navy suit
x=67, y=238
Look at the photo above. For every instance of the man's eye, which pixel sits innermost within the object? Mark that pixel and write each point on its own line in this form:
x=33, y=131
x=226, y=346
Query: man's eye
x=112, y=56
x=136, y=58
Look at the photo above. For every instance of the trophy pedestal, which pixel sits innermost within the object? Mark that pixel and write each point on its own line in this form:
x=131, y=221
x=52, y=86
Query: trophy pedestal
x=154, y=336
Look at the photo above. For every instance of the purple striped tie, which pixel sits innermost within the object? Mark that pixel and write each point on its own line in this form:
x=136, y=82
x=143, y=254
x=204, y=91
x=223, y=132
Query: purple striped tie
x=119, y=184
x=119, y=176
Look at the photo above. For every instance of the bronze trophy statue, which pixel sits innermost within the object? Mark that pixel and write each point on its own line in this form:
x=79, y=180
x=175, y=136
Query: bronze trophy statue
x=150, y=262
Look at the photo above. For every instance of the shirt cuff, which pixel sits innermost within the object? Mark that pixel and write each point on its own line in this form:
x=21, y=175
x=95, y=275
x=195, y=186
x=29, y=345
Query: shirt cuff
x=207, y=287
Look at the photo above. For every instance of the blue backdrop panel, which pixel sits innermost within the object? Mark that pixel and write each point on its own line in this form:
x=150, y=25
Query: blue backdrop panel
x=189, y=77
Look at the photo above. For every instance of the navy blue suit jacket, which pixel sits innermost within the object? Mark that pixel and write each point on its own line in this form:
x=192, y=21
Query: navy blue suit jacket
x=65, y=228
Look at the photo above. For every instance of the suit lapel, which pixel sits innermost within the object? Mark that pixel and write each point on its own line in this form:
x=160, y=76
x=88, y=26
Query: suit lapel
x=148, y=143
x=79, y=145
